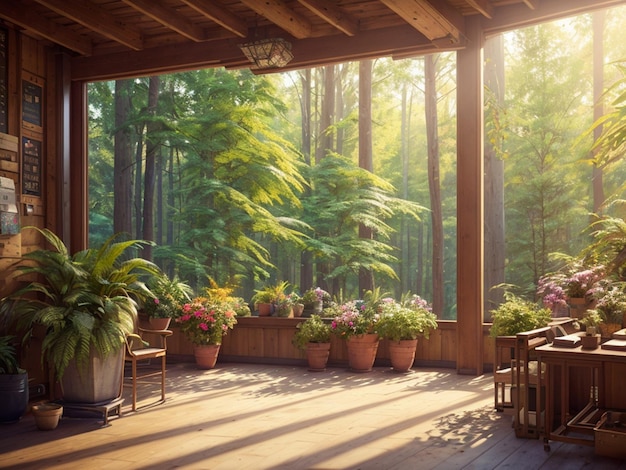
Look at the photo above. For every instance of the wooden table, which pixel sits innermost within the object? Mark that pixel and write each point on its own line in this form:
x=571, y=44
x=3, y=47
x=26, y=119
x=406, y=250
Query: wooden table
x=602, y=371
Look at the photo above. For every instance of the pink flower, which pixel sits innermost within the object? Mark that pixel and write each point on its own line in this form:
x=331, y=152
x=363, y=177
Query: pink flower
x=185, y=317
x=156, y=301
x=203, y=326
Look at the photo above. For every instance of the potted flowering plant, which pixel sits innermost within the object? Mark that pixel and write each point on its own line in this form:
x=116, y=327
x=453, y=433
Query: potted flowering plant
x=314, y=300
x=402, y=323
x=313, y=335
x=609, y=309
x=168, y=294
x=573, y=286
x=356, y=323
x=205, y=322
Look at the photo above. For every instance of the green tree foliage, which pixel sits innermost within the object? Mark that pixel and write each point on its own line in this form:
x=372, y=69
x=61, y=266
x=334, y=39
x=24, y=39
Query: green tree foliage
x=544, y=198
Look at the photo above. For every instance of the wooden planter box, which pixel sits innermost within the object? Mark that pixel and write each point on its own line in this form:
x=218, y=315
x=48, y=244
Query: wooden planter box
x=267, y=340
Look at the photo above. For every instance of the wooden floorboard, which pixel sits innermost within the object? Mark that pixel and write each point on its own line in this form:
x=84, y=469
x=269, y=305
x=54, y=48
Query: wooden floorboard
x=244, y=416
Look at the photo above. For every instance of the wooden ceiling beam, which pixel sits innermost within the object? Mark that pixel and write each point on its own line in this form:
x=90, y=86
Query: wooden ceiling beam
x=484, y=7
x=282, y=16
x=24, y=17
x=220, y=15
x=333, y=15
x=168, y=18
x=433, y=21
x=307, y=53
x=97, y=19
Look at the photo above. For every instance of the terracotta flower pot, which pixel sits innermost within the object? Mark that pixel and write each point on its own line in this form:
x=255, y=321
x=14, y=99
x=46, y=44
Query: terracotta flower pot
x=159, y=323
x=265, y=309
x=402, y=354
x=47, y=415
x=317, y=356
x=362, y=352
x=206, y=355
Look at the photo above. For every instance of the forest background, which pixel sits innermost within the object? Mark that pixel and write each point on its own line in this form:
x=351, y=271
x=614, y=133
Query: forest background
x=344, y=176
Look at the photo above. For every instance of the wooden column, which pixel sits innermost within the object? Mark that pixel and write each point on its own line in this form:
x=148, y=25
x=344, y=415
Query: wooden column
x=470, y=215
x=79, y=214
x=59, y=214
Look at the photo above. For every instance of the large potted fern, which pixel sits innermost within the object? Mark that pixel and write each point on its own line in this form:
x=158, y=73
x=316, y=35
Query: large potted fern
x=87, y=304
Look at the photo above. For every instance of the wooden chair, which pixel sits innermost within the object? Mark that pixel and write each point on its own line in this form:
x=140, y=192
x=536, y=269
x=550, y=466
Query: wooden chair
x=138, y=350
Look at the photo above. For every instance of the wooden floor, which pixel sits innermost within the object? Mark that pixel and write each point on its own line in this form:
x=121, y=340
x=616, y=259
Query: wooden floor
x=242, y=416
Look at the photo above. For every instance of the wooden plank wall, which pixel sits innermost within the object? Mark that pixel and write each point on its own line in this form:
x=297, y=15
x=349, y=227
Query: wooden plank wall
x=267, y=340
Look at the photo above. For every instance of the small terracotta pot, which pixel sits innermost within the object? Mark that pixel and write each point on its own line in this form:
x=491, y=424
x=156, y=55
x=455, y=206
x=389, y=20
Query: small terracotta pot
x=47, y=415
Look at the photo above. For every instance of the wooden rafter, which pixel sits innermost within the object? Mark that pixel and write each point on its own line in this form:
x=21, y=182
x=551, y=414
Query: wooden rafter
x=280, y=14
x=532, y=4
x=23, y=17
x=483, y=6
x=333, y=15
x=169, y=18
x=97, y=19
x=433, y=21
x=220, y=15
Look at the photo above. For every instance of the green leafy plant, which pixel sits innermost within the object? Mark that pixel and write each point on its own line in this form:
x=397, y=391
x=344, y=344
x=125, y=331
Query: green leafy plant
x=205, y=321
x=168, y=296
x=270, y=293
x=8, y=358
x=406, y=321
x=312, y=330
x=84, y=301
x=515, y=315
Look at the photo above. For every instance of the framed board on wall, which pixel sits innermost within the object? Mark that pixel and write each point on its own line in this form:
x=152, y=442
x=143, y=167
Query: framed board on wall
x=32, y=103
x=31, y=165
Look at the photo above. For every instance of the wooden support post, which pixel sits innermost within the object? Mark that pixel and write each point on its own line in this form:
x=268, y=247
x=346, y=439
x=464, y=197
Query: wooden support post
x=470, y=213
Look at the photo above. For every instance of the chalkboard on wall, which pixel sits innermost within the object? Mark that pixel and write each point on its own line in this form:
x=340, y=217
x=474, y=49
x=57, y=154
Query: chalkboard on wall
x=32, y=96
x=31, y=166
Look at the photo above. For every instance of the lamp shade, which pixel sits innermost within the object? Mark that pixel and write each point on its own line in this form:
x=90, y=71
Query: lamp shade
x=268, y=53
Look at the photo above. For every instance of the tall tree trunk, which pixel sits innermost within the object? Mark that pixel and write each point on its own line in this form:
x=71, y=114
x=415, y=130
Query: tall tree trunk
x=494, y=180
x=123, y=161
x=366, y=276
x=139, y=182
x=306, y=259
x=405, y=257
x=325, y=143
x=434, y=185
x=152, y=147
x=598, y=109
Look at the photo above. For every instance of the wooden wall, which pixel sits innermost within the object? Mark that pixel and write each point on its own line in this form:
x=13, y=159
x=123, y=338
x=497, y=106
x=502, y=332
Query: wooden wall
x=28, y=126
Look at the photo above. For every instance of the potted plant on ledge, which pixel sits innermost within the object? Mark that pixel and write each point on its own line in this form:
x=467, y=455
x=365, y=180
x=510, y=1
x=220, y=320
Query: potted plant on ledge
x=204, y=322
x=168, y=294
x=313, y=336
x=356, y=323
x=402, y=324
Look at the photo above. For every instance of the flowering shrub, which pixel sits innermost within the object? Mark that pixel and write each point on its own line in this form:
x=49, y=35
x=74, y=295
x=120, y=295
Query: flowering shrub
x=315, y=295
x=354, y=318
x=204, y=321
x=581, y=283
x=556, y=289
x=551, y=293
x=611, y=303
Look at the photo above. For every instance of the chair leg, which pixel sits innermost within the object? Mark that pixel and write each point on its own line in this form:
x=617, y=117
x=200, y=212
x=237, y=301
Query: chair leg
x=134, y=370
x=163, y=378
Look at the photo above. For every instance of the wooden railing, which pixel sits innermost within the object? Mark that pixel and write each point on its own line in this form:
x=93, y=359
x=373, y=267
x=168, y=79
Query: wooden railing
x=267, y=340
